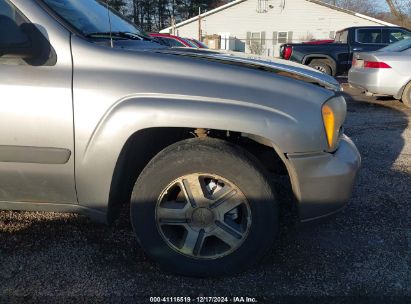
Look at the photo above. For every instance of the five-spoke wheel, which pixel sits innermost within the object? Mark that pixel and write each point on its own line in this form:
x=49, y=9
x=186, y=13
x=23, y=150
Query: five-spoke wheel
x=203, y=216
x=204, y=207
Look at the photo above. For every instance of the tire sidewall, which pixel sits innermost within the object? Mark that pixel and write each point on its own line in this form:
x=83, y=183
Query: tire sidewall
x=239, y=171
x=325, y=66
x=407, y=96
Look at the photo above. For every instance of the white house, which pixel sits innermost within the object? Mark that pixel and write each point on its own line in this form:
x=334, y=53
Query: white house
x=271, y=23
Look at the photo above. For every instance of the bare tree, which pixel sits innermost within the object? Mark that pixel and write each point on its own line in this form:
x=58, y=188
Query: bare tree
x=117, y=4
x=368, y=7
x=307, y=37
x=401, y=9
x=154, y=15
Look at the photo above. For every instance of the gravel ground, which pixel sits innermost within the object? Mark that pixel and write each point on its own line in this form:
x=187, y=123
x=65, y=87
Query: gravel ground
x=362, y=252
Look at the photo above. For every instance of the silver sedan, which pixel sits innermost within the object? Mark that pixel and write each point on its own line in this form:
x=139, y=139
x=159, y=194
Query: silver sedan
x=385, y=72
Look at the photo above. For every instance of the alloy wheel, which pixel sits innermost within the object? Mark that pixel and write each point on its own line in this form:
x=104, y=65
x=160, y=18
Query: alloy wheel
x=203, y=216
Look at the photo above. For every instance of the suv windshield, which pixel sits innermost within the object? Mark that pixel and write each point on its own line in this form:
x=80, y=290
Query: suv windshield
x=399, y=46
x=91, y=18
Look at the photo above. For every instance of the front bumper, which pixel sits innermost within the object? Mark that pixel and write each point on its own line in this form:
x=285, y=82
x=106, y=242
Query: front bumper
x=323, y=183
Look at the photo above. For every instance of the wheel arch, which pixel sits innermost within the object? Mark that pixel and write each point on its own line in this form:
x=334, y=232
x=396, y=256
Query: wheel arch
x=164, y=120
x=128, y=167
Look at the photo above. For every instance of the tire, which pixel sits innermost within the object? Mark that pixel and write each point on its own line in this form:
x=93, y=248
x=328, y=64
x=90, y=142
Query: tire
x=406, y=96
x=321, y=66
x=214, y=250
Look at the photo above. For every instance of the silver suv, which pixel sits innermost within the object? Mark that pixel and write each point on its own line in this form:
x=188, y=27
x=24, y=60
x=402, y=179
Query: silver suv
x=95, y=115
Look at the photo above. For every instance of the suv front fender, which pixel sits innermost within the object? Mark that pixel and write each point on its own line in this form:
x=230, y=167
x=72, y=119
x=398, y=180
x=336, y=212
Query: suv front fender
x=95, y=163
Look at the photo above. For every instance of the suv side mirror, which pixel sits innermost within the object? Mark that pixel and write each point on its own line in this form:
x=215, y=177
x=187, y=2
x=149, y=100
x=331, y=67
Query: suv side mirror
x=13, y=41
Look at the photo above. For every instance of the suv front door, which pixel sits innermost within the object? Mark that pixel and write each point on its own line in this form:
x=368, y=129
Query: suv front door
x=36, y=111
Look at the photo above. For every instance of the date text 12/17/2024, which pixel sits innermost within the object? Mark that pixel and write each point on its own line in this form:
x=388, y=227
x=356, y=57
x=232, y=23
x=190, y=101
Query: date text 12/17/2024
x=203, y=299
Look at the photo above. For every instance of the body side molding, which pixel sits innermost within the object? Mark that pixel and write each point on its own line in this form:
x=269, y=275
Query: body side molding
x=34, y=155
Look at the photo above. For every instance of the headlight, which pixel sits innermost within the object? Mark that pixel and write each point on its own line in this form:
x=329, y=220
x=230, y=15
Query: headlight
x=334, y=112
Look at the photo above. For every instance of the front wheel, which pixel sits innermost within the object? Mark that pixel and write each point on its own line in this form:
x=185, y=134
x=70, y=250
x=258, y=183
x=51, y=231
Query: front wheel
x=204, y=207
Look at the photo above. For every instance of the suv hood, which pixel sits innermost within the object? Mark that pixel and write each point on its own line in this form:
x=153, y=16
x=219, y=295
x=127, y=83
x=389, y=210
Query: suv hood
x=281, y=67
x=278, y=66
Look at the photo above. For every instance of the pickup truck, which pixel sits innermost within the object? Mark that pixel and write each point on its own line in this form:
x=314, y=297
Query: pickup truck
x=95, y=117
x=336, y=58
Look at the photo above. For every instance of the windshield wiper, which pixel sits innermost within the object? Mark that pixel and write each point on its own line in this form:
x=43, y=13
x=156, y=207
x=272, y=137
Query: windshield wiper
x=119, y=35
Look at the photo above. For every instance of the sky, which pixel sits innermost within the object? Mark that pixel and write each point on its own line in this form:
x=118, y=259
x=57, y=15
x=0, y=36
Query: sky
x=379, y=4
x=383, y=5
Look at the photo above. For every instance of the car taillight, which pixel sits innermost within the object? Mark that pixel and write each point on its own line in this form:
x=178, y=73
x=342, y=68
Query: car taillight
x=287, y=52
x=354, y=62
x=376, y=65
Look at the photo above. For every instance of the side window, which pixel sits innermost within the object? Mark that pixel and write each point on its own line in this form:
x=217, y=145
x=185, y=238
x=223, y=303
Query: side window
x=5, y=9
x=341, y=37
x=173, y=42
x=369, y=36
x=191, y=43
x=8, y=10
x=10, y=22
x=161, y=41
x=22, y=41
x=395, y=35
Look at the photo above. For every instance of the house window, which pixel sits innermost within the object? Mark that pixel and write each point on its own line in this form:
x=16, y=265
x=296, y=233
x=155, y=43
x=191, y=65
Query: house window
x=282, y=37
x=262, y=6
x=255, y=37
